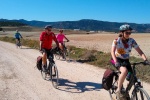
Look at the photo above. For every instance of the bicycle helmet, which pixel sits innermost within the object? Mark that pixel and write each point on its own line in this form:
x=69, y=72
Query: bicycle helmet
x=125, y=27
x=61, y=30
x=48, y=26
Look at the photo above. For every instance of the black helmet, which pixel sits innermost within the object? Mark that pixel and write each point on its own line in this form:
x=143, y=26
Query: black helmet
x=48, y=26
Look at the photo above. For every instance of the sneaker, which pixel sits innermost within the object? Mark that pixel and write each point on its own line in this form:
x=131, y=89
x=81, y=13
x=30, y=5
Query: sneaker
x=120, y=96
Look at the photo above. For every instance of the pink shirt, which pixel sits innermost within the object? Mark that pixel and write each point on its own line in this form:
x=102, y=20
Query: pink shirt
x=60, y=37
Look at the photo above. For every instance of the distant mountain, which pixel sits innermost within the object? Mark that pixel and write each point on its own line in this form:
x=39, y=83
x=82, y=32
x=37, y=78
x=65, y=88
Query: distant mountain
x=11, y=23
x=86, y=24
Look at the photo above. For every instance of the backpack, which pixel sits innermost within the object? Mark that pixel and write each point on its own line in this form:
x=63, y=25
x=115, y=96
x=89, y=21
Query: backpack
x=39, y=62
x=107, y=79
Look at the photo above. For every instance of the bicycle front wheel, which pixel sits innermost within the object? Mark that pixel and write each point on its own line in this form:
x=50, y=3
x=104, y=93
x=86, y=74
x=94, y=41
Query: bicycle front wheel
x=57, y=55
x=44, y=75
x=67, y=54
x=54, y=76
x=139, y=94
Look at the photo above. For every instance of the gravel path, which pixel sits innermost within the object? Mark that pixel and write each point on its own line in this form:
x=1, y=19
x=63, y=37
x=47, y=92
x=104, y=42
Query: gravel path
x=19, y=80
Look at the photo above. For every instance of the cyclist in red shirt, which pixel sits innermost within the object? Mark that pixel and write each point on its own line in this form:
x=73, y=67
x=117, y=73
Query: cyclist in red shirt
x=46, y=39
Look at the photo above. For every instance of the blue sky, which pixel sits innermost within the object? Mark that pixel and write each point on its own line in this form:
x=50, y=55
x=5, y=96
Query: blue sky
x=135, y=11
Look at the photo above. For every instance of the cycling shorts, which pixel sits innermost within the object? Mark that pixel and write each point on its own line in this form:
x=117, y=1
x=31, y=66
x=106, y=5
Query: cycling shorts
x=48, y=52
x=125, y=63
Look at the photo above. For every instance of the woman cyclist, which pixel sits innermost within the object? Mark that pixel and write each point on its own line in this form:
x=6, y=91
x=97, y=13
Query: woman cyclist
x=121, y=47
x=60, y=38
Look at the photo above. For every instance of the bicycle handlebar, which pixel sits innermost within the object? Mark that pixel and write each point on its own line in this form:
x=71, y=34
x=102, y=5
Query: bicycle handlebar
x=65, y=41
x=137, y=63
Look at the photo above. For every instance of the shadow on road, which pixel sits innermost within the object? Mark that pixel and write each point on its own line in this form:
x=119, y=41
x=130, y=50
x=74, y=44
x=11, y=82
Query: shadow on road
x=78, y=87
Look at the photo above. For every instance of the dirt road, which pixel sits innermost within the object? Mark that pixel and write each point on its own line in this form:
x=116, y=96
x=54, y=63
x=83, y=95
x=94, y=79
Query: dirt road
x=19, y=80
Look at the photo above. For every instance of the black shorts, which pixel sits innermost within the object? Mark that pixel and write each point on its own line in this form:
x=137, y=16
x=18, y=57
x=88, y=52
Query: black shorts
x=18, y=39
x=49, y=53
x=125, y=63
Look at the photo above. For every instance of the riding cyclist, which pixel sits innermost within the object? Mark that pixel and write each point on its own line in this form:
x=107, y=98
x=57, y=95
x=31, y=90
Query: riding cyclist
x=121, y=47
x=18, y=36
x=60, y=37
x=46, y=39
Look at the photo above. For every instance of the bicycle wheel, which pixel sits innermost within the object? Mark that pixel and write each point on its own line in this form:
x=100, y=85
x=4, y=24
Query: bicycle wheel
x=54, y=76
x=67, y=54
x=139, y=94
x=45, y=74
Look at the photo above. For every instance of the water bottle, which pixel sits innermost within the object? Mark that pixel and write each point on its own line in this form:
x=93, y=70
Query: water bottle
x=128, y=76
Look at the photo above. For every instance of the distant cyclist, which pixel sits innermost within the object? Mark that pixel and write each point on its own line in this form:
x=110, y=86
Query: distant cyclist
x=121, y=48
x=18, y=36
x=46, y=39
x=60, y=38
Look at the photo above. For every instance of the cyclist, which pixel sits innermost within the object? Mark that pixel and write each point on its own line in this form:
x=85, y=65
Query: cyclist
x=46, y=39
x=18, y=36
x=60, y=37
x=121, y=47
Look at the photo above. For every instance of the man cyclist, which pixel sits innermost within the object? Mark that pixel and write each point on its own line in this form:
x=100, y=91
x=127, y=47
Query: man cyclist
x=18, y=36
x=46, y=39
x=121, y=47
x=60, y=37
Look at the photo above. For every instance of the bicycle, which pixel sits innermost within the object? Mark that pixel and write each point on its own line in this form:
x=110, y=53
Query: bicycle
x=138, y=93
x=51, y=71
x=63, y=53
x=18, y=44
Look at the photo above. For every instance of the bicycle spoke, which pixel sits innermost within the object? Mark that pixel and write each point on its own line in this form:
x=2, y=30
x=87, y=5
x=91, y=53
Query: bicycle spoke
x=54, y=76
x=140, y=94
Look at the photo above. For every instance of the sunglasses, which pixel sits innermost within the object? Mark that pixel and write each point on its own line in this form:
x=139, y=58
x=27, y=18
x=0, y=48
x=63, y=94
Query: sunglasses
x=128, y=33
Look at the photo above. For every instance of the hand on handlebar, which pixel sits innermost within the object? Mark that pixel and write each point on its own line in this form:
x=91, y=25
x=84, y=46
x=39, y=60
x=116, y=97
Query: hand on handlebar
x=57, y=49
x=117, y=64
x=146, y=62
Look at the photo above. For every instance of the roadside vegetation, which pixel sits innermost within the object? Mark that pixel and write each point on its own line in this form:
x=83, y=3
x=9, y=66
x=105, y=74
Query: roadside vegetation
x=92, y=57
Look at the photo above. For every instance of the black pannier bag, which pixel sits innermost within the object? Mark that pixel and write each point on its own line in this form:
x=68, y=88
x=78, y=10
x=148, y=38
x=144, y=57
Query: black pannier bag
x=39, y=62
x=107, y=79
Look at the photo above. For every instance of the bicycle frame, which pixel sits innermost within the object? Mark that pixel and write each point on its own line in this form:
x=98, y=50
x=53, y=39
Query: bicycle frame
x=63, y=53
x=132, y=82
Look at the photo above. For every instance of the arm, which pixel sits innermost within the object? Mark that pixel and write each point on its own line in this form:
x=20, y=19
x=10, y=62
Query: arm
x=55, y=39
x=67, y=39
x=141, y=53
x=113, y=53
x=41, y=41
x=40, y=45
x=20, y=35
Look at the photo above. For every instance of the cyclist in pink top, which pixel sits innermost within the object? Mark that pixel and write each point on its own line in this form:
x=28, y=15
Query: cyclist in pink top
x=60, y=37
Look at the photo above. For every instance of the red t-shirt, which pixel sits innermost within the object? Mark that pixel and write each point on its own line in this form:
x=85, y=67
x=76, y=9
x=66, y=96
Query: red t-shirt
x=47, y=39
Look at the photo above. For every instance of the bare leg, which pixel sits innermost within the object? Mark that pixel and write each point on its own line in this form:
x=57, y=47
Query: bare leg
x=44, y=58
x=122, y=77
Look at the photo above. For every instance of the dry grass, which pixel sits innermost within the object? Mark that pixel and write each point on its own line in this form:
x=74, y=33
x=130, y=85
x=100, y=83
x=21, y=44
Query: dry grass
x=94, y=41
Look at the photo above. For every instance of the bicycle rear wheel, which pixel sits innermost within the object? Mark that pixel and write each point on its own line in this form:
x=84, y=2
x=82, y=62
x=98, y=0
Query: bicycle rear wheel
x=54, y=76
x=139, y=94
